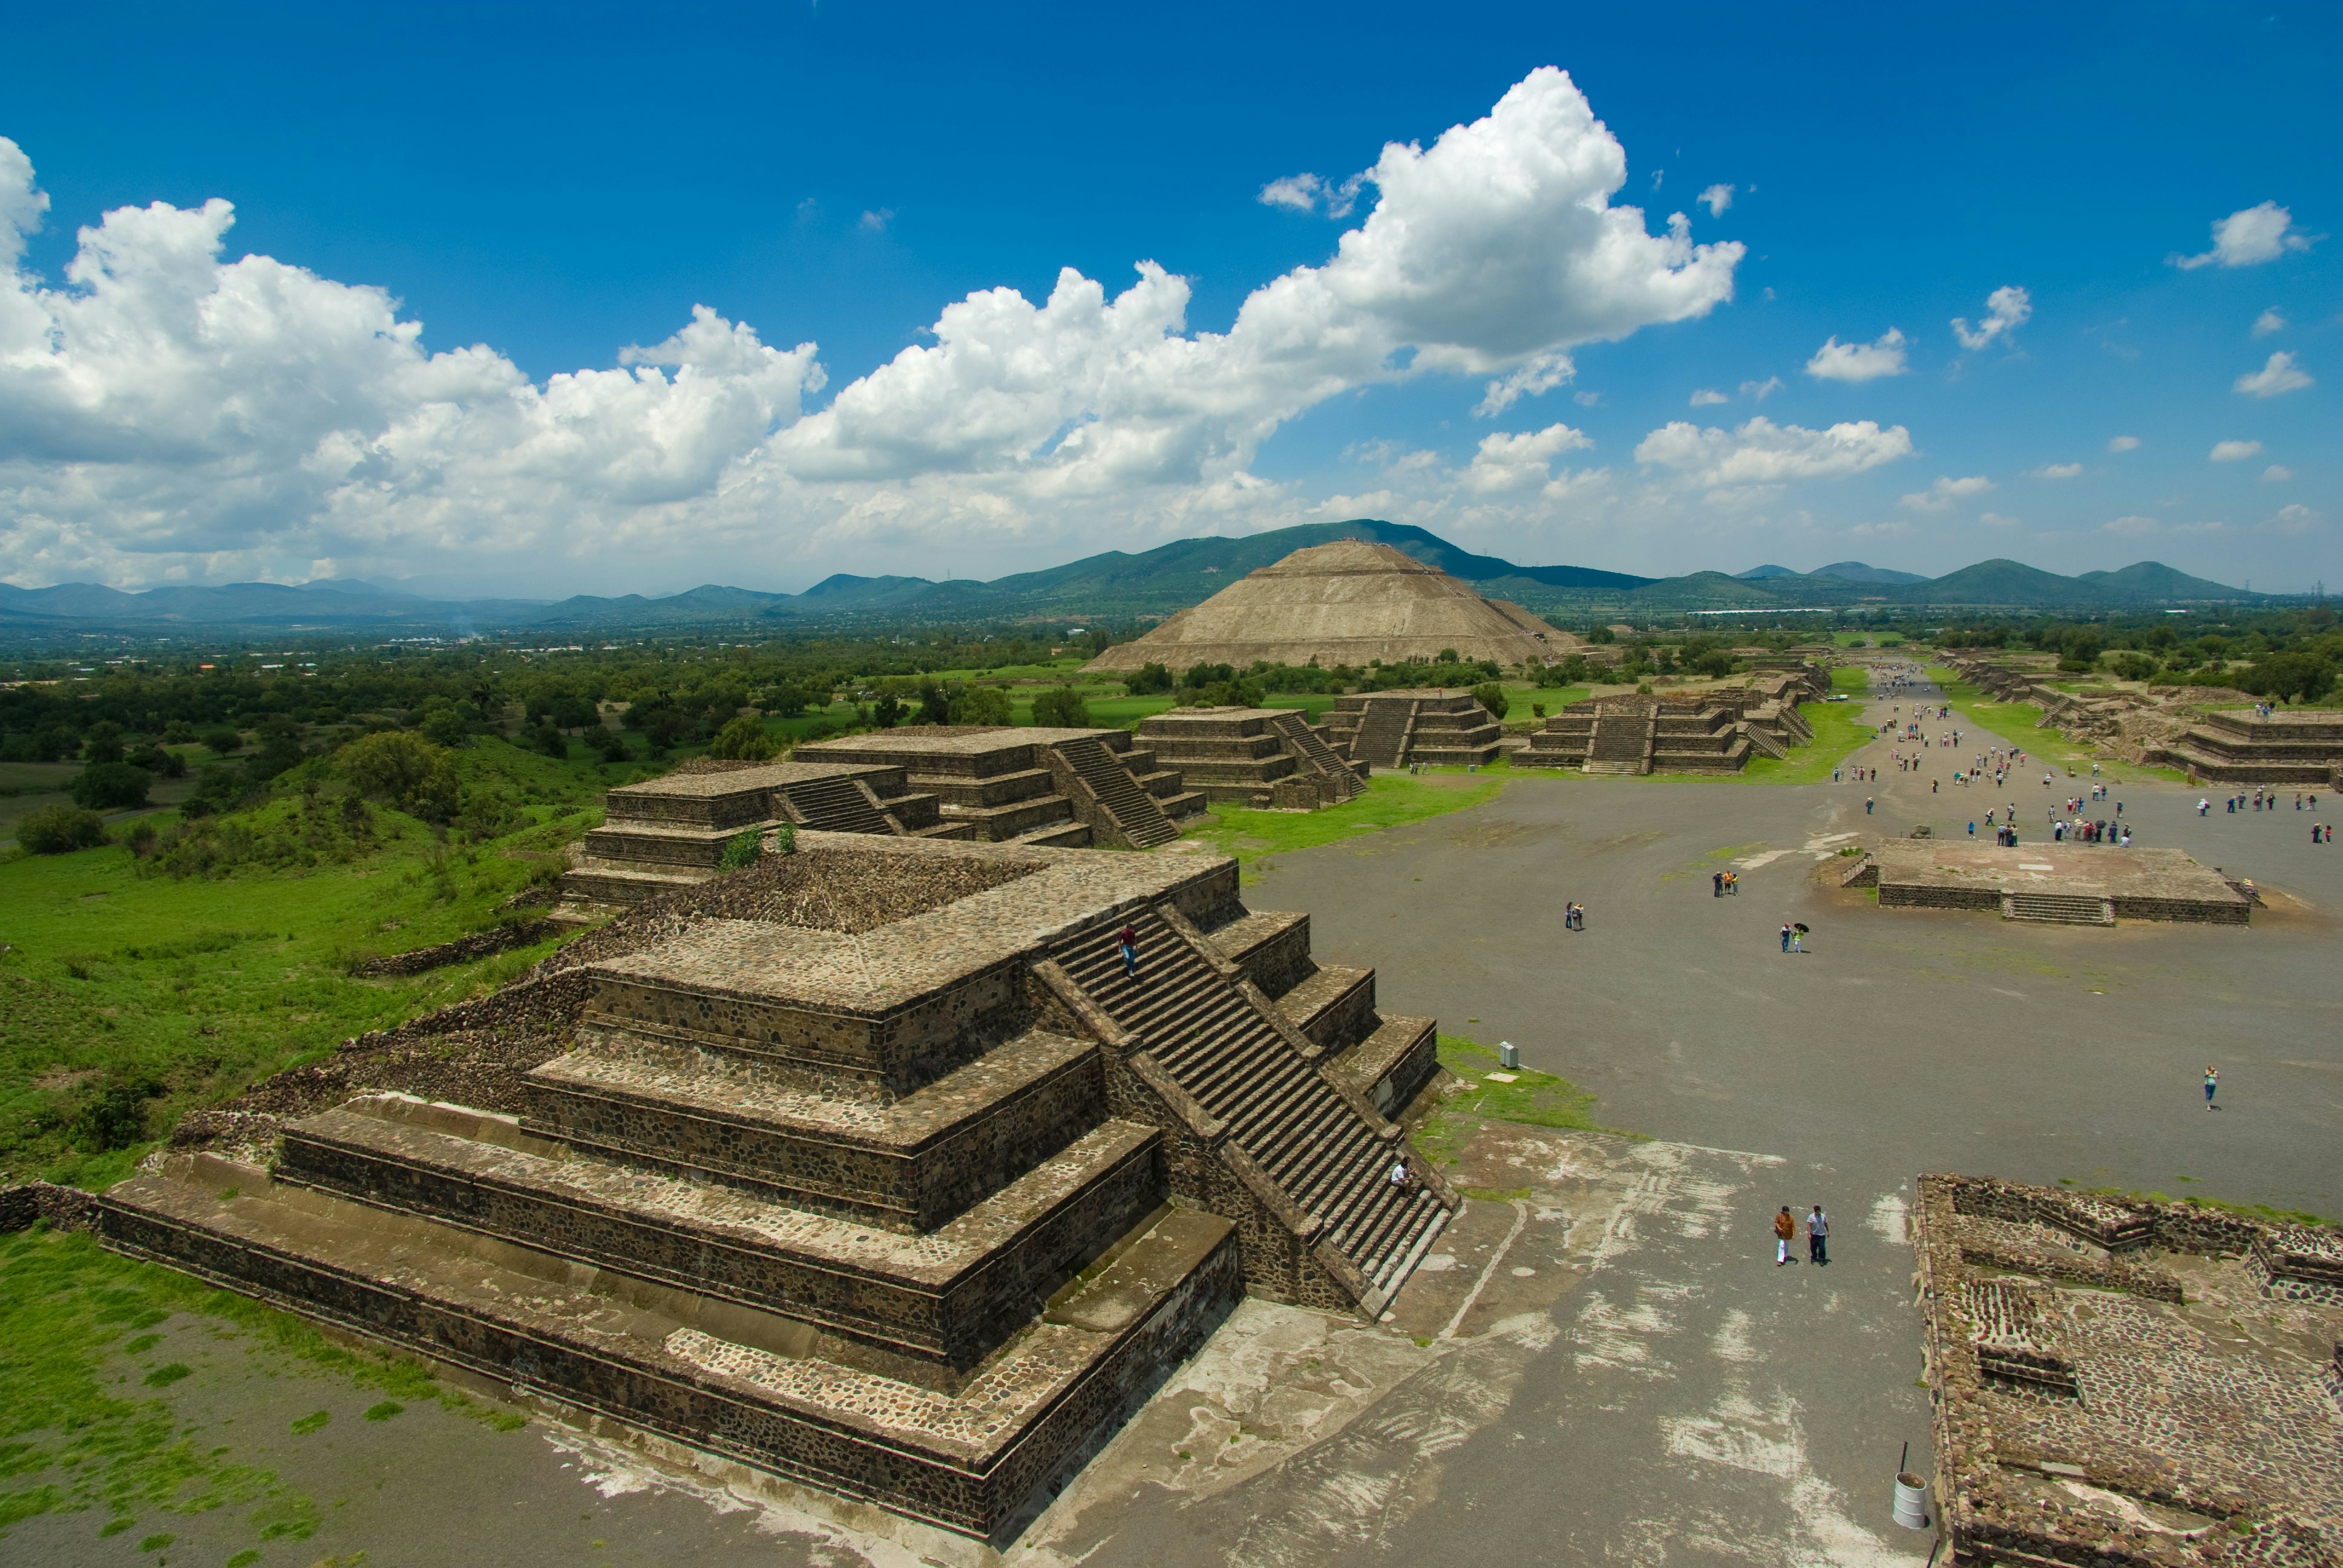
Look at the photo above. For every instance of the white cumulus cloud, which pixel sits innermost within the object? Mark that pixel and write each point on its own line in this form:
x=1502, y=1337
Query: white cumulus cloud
x=2281, y=373
x=1520, y=462
x=1940, y=496
x=1836, y=361
x=2233, y=451
x=2267, y=322
x=2006, y=310
x=2124, y=444
x=1716, y=198
x=2248, y=237
x=2055, y=471
x=2277, y=474
x=169, y=413
x=1707, y=396
x=1758, y=391
x=1764, y=453
x=1542, y=374
x=1308, y=193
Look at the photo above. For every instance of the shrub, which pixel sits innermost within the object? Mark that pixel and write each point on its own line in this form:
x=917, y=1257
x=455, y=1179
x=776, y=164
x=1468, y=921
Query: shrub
x=743, y=740
x=442, y=726
x=1063, y=707
x=607, y=744
x=222, y=742
x=742, y=849
x=102, y=742
x=115, y=1116
x=405, y=769
x=141, y=839
x=1209, y=675
x=155, y=760
x=544, y=738
x=111, y=787
x=54, y=829
x=2132, y=665
x=1148, y=680
x=1490, y=695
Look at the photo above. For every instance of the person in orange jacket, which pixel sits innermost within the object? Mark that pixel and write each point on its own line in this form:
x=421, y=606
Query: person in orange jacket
x=1785, y=1227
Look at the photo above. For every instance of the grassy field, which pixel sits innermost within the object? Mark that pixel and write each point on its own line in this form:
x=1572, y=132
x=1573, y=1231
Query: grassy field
x=166, y=993
x=1392, y=800
x=2021, y=723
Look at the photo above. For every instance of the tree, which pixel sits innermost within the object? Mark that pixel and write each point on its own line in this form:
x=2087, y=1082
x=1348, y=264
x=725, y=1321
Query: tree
x=223, y=742
x=606, y=743
x=1490, y=695
x=55, y=830
x=1061, y=708
x=111, y=787
x=981, y=704
x=443, y=726
x=404, y=769
x=1202, y=675
x=743, y=740
x=102, y=742
x=1147, y=681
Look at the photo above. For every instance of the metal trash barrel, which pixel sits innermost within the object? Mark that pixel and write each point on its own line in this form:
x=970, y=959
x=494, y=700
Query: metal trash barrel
x=1911, y=1501
x=1509, y=1055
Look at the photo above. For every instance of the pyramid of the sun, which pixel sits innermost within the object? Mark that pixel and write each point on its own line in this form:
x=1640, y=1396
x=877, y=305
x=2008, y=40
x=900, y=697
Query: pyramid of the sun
x=1349, y=602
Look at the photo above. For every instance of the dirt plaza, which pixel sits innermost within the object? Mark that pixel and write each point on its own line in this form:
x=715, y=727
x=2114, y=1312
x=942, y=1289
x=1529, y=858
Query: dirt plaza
x=1600, y=1362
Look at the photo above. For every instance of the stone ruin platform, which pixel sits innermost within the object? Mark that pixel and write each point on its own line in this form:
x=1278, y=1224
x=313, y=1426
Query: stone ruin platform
x=866, y=1165
x=1262, y=757
x=669, y=833
x=1715, y=730
x=1052, y=788
x=2303, y=749
x=1436, y=726
x=2070, y=884
x=2125, y=1380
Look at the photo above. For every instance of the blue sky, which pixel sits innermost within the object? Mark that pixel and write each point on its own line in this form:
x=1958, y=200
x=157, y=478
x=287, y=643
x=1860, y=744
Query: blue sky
x=459, y=225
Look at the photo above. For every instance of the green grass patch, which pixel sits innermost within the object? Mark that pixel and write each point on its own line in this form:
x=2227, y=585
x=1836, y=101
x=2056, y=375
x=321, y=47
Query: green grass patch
x=1392, y=800
x=1533, y=1099
x=127, y=997
x=2262, y=1212
x=76, y=1436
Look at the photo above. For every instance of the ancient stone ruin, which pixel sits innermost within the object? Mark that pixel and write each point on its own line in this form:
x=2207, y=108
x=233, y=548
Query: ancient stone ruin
x=1715, y=730
x=1432, y=725
x=2059, y=884
x=2302, y=748
x=2129, y=1380
x=868, y=1165
x=1260, y=756
x=1061, y=787
x=1347, y=603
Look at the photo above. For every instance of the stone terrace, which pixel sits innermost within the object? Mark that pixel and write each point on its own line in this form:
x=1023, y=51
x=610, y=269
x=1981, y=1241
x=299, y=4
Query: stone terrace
x=1262, y=757
x=1053, y=787
x=2130, y=1381
x=2300, y=748
x=1432, y=725
x=669, y=833
x=2076, y=884
x=904, y=1192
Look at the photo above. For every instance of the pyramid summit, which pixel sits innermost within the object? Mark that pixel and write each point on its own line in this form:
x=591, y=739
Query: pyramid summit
x=1347, y=602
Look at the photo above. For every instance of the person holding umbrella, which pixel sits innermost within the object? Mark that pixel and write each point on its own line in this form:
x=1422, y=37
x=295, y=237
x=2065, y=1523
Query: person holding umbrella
x=1798, y=938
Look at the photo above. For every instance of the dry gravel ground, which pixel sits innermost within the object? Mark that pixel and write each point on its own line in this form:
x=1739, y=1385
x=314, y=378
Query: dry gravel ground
x=1601, y=1363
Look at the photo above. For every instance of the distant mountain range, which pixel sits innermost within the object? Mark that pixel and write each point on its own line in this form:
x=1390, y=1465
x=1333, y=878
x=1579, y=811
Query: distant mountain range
x=1115, y=585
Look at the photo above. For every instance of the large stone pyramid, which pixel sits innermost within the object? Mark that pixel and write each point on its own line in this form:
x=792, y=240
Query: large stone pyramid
x=1349, y=602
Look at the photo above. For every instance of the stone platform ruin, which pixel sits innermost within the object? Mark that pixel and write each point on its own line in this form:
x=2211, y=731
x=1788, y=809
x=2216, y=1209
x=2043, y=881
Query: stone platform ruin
x=1260, y=756
x=1716, y=730
x=1435, y=726
x=2303, y=749
x=670, y=832
x=867, y=1165
x=2128, y=1380
x=2064, y=884
x=1053, y=787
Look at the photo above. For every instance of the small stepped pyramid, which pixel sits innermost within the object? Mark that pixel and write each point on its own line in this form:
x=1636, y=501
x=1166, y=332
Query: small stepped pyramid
x=837, y=805
x=1344, y=783
x=865, y=1166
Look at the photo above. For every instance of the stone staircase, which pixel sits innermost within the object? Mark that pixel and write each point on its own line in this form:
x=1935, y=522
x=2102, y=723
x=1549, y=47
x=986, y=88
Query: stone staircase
x=2058, y=909
x=1622, y=743
x=1136, y=814
x=1320, y=756
x=1382, y=739
x=1326, y=1150
x=837, y=806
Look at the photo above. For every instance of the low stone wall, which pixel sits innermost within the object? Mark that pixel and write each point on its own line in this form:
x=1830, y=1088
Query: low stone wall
x=462, y=950
x=1911, y=896
x=2185, y=910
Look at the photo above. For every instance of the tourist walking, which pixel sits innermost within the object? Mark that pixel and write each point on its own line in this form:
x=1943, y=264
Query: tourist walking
x=2212, y=1082
x=1786, y=948
x=1717, y=882
x=1784, y=1228
x=1818, y=1236
x=1128, y=939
